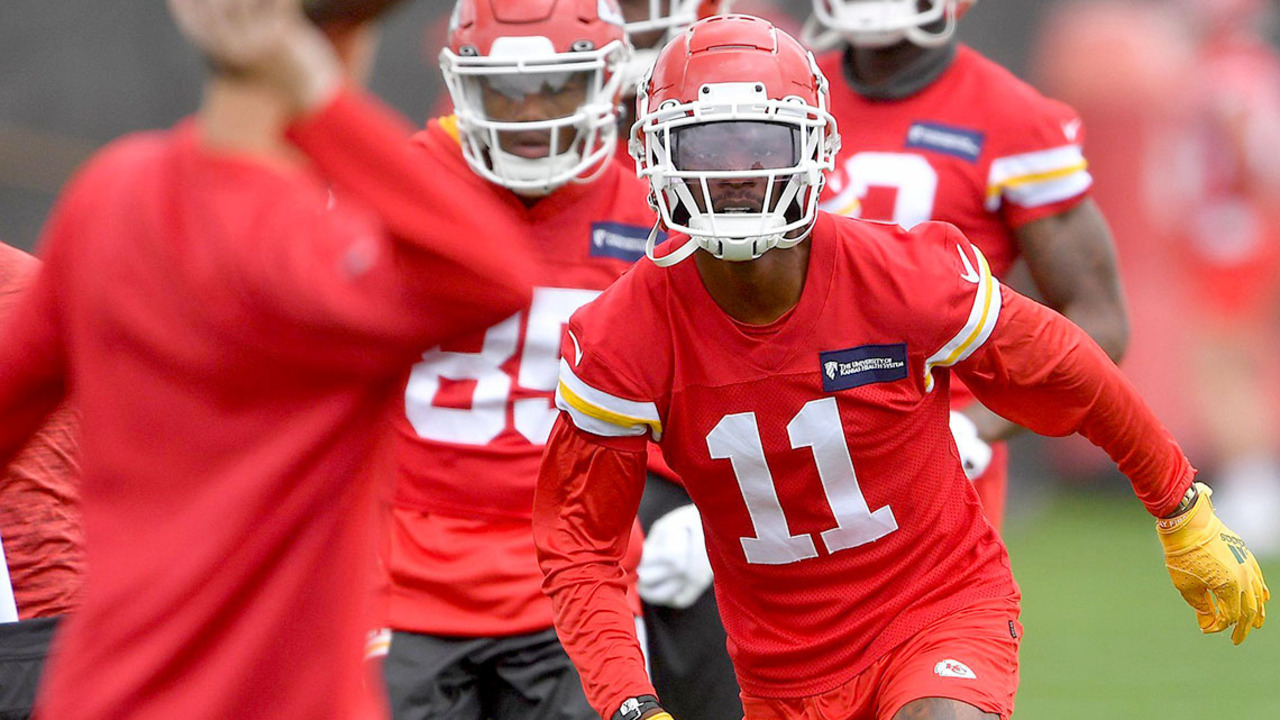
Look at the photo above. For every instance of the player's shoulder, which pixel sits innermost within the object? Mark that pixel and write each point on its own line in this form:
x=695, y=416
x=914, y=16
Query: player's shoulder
x=616, y=357
x=441, y=140
x=1011, y=104
x=128, y=161
x=888, y=247
x=132, y=153
x=636, y=300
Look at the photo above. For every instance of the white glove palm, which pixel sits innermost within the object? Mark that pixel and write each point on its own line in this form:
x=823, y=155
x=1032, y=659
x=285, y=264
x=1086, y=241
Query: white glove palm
x=674, y=570
x=975, y=453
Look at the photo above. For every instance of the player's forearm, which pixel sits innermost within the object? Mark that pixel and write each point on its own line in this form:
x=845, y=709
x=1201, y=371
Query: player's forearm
x=479, y=247
x=1046, y=374
x=585, y=504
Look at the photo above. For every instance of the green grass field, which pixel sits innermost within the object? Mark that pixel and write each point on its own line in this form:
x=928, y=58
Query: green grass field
x=1107, y=636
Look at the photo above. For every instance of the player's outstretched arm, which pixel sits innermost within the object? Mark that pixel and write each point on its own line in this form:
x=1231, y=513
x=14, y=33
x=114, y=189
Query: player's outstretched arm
x=588, y=492
x=1044, y=373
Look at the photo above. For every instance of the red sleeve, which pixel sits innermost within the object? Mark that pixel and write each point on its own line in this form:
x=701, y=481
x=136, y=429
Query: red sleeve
x=588, y=492
x=32, y=356
x=1044, y=373
x=469, y=263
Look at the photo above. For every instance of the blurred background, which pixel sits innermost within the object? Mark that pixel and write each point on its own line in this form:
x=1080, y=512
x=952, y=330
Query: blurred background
x=1181, y=101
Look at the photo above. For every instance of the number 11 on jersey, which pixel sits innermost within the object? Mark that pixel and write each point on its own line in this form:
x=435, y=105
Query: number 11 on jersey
x=817, y=426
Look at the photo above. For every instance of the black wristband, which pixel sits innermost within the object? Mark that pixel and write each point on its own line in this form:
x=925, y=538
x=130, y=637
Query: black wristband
x=635, y=708
x=1188, y=501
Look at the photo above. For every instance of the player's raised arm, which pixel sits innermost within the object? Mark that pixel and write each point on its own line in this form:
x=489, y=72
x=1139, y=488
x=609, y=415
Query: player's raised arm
x=470, y=257
x=1041, y=371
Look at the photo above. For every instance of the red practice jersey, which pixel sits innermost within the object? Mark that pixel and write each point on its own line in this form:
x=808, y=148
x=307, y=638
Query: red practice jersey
x=235, y=332
x=40, y=534
x=838, y=519
x=977, y=148
x=477, y=412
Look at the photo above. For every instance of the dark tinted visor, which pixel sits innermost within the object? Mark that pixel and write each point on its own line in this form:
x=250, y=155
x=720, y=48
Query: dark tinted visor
x=735, y=145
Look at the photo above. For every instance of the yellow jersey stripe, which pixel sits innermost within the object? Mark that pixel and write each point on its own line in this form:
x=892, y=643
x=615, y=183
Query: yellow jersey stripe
x=595, y=411
x=987, y=285
x=449, y=124
x=982, y=320
x=1030, y=178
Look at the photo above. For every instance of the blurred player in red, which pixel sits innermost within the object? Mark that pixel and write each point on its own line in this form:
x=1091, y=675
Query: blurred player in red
x=1131, y=90
x=41, y=541
x=1231, y=224
x=795, y=367
x=935, y=131
x=233, y=303
x=535, y=87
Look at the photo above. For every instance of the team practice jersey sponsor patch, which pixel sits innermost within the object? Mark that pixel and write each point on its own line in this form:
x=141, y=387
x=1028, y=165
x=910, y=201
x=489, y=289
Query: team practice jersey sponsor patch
x=619, y=241
x=857, y=366
x=958, y=142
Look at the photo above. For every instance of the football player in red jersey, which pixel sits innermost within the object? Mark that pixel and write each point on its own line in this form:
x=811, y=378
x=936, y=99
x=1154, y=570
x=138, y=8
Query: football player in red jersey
x=936, y=131
x=535, y=87
x=796, y=367
x=233, y=303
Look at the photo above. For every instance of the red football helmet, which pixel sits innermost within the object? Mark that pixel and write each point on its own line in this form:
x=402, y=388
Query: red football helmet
x=734, y=135
x=665, y=19
x=880, y=23
x=520, y=71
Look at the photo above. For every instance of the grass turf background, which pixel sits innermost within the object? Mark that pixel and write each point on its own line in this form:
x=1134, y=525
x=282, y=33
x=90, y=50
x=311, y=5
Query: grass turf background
x=1106, y=635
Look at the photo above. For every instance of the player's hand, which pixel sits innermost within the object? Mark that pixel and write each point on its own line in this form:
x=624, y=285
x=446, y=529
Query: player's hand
x=1214, y=570
x=674, y=570
x=975, y=453
x=265, y=40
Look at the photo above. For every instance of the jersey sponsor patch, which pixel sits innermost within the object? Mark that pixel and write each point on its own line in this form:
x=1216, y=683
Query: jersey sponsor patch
x=857, y=366
x=954, y=141
x=619, y=241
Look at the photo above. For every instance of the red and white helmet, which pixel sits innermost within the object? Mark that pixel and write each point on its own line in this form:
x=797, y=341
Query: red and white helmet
x=668, y=17
x=880, y=23
x=735, y=104
x=523, y=49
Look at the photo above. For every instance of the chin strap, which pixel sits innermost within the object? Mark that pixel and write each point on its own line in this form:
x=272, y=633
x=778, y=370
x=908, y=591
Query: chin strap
x=672, y=257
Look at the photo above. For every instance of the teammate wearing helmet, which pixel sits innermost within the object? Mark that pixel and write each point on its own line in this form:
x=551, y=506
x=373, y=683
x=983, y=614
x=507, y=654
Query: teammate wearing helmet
x=535, y=87
x=795, y=367
x=935, y=131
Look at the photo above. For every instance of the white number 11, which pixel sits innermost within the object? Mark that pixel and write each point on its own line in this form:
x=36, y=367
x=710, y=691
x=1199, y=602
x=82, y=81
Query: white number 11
x=817, y=426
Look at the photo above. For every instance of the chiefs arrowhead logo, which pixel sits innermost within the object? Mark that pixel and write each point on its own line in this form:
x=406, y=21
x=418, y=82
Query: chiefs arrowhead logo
x=954, y=668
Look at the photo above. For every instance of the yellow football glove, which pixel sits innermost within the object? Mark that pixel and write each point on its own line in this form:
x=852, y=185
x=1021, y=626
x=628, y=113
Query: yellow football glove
x=1214, y=571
